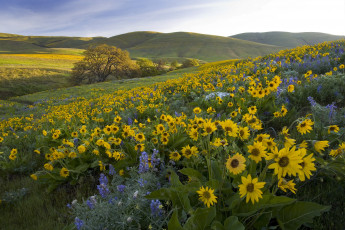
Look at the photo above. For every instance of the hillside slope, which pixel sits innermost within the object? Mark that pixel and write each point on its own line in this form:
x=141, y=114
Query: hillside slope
x=289, y=40
x=146, y=44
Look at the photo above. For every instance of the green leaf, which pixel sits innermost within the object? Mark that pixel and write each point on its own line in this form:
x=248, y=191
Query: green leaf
x=232, y=222
x=267, y=201
x=201, y=219
x=82, y=168
x=294, y=215
x=216, y=225
x=263, y=220
x=174, y=223
x=192, y=173
x=174, y=179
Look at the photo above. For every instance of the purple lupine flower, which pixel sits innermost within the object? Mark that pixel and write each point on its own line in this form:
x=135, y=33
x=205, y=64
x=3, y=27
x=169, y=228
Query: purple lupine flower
x=103, y=190
x=130, y=121
x=76, y=142
x=331, y=108
x=311, y=101
x=78, y=223
x=69, y=206
x=121, y=188
x=143, y=163
x=142, y=182
x=155, y=208
x=90, y=204
x=319, y=88
x=103, y=179
x=111, y=169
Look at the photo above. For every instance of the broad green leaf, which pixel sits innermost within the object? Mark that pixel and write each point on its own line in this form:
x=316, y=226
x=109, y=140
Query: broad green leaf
x=216, y=225
x=174, y=223
x=263, y=220
x=267, y=201
x=192, y=173
x=201, y=219
x=232, y=222
x=294, y=215
x=174, y=179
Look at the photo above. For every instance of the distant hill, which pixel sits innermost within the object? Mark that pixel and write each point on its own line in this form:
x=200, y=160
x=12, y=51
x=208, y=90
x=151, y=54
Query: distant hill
x=170, y=45
x=146, y=44
x=286, y=39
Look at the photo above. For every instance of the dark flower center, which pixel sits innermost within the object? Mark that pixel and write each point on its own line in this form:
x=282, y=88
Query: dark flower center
x=255, y=152
x=284, y=161
x=250, y=187
x=206, y=195
x=234, y=163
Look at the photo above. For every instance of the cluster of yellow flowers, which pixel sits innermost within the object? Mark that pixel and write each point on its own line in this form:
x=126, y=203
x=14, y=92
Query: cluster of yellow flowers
x=110, y=127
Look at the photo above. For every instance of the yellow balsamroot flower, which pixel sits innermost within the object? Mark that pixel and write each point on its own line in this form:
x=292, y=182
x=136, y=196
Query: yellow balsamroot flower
x=252, y=109
x=72, y=155
x=193, y=134
x=64, y=172
x=333, y=128
x=140, y=137
x=251, y=188
x=291, y=88
x=48, y=167
x=1, y=139
x=236, y=164
x=257, y=151
x=14, y=151
x=287, y=162
x=81, y=149
x=261, y=137
x=188, y=151
x=320, y=146
x=206, y=195
x=12, y=156
x=197, y=110
x=209, y=127
x=33, y=176
x=283, y=184
x=243, y=133
x=269, y=143
x=307, y=165
x=101, y=166
x=139, y=147
x=175, y=156
x=229, y=127
x=305, y=126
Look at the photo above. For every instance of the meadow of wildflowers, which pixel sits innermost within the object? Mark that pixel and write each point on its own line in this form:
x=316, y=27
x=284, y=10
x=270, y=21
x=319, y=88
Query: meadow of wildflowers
x=226, y=147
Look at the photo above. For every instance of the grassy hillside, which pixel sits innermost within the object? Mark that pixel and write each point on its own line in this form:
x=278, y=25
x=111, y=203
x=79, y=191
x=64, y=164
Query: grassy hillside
x=289, y=40
x=146, y=44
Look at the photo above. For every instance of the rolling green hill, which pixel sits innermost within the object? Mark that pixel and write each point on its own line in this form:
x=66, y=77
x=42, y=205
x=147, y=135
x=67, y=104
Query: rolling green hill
x=170, y=45
x=146, y=44
x=286, y=39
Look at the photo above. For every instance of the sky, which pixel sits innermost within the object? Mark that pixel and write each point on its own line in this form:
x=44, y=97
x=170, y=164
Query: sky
x=91, y=18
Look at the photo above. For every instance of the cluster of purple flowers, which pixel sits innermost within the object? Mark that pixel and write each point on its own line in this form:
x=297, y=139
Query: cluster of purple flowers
x=103, y=186
x=78, y=223
x=156, y=208
x=143, y=163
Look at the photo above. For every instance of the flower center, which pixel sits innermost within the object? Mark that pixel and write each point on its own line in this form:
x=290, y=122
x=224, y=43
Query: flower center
x=255, y=152
x=209, y=129
x=206, y=195
x=234, y=163
x=284, y=161
x=250, y=187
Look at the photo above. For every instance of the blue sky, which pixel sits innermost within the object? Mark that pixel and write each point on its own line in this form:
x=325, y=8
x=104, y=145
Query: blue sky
x=218, y=17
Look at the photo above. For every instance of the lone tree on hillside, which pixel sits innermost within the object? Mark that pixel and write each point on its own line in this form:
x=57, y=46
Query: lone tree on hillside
x=102, y=61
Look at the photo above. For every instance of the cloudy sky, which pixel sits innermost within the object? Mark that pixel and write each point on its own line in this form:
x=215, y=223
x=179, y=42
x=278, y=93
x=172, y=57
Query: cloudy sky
x=218, y=17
